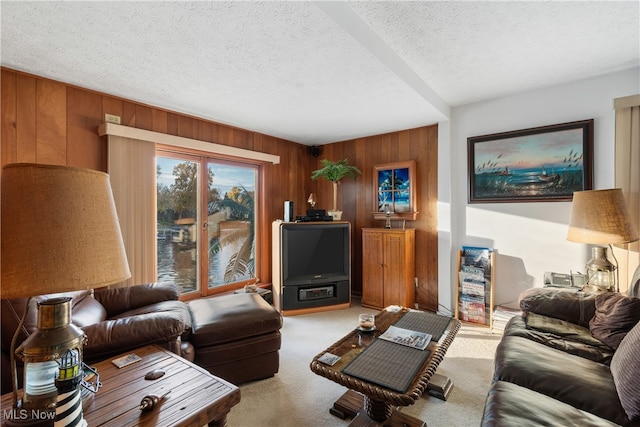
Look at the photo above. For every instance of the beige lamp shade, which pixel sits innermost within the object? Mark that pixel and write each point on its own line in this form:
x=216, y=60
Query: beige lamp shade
x=60, y=231
x=600, y=217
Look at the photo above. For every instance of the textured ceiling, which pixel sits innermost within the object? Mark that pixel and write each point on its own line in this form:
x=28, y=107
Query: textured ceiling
x=318, y=72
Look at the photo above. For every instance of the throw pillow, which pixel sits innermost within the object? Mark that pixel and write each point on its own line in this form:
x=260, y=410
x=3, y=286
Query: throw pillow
x=615, y=315
x=625, y=366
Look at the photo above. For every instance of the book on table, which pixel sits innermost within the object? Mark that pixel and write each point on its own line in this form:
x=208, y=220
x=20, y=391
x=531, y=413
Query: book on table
x=413, y=339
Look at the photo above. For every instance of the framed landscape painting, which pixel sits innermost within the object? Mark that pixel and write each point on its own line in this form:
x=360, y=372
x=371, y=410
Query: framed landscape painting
x=395, y=190
x=546, y=163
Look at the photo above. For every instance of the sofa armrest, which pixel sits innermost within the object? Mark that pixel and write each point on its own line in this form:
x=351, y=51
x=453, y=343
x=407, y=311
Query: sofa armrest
x=116, y=336
x=570, y=306
x=119, y=300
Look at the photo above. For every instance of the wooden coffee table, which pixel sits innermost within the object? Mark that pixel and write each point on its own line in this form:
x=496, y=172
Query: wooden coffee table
x=375, y=404
x=197, y=398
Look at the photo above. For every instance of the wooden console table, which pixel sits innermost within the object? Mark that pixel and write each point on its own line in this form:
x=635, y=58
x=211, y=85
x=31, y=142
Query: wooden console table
x=374, y=404
x=197, y=398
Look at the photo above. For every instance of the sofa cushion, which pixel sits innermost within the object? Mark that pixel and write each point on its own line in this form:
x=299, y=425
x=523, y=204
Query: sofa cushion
x=576, y=381
x=625, y=368
x=561, y=335
x=231, y=318
x=615, y=315
x=119, y=300
x=87, y=311
x=509, y=404
x=174, y=309
x=562, y=328
x=113, y=336
x=574, y=307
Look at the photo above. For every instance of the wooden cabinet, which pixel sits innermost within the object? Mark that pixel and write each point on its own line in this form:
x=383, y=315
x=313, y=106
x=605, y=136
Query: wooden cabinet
x=388, y=267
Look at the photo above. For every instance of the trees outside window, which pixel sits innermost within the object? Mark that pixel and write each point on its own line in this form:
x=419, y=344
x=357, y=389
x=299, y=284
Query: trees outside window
x=206, y=223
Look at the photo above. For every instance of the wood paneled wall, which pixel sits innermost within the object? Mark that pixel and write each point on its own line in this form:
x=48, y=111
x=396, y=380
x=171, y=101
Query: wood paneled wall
x=356, y=198
x=45, y=121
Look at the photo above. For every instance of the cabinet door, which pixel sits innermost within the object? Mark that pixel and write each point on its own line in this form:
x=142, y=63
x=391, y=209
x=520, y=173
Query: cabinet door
x=372, y=269
x=394, y=270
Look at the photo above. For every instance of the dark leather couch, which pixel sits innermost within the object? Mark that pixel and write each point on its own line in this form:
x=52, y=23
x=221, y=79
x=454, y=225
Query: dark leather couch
x=237, y=336
x=114, y=320
x=571, y=359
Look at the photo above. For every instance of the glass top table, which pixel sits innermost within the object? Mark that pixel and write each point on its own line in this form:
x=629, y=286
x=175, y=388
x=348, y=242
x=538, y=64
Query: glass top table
x=379, y=402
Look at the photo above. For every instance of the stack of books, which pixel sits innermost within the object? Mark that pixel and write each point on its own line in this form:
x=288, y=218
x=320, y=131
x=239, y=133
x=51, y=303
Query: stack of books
x=502, y=313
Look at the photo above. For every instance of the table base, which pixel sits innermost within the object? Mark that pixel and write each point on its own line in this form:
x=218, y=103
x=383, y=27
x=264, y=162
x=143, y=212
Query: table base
x=352, y=405
x=440, y=386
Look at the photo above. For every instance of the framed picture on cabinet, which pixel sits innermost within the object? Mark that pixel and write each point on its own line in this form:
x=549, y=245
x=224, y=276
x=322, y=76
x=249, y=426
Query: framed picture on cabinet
x=395, y=193
x=540, y=164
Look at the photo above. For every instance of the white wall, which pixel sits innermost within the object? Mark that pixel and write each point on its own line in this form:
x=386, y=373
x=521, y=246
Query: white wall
x=530, y=237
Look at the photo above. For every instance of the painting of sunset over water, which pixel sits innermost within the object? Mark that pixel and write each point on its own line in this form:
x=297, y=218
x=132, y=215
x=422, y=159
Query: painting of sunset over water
x=540, y=164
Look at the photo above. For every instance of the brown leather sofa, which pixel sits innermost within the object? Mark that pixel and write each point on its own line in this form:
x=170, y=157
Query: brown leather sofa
x=572, y=358
x=238, y=335
x=114, y=320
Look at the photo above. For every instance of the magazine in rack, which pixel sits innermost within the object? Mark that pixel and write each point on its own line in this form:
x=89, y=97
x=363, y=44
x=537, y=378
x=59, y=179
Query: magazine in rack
x=474, y=285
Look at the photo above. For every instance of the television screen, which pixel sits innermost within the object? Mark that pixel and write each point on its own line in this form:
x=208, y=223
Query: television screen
x=315, y=252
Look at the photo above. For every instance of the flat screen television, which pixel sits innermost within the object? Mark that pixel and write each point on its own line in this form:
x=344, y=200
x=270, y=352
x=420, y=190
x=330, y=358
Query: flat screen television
x=315, y=253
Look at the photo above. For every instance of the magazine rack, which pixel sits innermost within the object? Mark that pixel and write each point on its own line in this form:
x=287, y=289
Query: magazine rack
x=474, y=285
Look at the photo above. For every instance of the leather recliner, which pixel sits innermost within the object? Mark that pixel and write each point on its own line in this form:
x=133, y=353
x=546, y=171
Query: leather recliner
x=114, y=320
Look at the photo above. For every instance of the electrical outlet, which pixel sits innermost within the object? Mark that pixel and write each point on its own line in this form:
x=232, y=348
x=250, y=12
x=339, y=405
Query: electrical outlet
x=112, y=118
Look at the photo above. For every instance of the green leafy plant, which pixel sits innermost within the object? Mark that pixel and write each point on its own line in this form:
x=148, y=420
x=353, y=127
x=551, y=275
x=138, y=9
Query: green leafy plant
x=334, y=172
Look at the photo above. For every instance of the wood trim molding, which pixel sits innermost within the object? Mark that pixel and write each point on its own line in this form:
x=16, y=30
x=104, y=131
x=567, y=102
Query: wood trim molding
x=178, y=141
x=626, y=102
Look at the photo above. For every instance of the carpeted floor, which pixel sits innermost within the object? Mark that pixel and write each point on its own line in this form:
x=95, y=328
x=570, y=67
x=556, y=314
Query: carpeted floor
x=297, y=397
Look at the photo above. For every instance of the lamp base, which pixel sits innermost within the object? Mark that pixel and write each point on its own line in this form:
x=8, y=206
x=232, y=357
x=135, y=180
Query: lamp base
x=596, y=289
x=600, y=271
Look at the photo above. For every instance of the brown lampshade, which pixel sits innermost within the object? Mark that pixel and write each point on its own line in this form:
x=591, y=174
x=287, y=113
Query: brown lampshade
x=60, y=231
x=600, y=217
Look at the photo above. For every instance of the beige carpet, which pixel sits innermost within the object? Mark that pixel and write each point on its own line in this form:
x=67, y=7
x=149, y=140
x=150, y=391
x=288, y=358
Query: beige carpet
x=297, y=397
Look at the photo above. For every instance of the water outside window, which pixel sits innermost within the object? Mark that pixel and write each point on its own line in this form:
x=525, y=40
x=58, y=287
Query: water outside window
x=177, y=207
x=231, y=223
x=229, y=215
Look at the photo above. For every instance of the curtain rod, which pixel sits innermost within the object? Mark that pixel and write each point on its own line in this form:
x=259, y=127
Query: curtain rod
x=178, y=141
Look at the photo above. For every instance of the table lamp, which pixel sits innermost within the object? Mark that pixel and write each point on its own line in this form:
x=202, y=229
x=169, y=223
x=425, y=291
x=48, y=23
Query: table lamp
x=601, y=217
x=60, y=233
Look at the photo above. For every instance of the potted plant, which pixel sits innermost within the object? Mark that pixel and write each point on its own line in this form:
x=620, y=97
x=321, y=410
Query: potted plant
x=334, y=172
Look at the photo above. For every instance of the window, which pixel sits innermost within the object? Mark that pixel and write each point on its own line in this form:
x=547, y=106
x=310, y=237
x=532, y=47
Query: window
x=231, y=223
x=206, y=220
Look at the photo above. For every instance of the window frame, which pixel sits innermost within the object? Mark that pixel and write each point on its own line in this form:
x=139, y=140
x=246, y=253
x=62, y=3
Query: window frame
x=260, y=211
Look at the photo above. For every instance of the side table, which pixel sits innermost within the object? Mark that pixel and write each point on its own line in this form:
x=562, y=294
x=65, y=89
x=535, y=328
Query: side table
x=196, y=397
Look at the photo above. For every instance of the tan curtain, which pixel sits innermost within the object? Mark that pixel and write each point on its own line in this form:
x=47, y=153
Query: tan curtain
x=132, y=168
x=627, y=167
